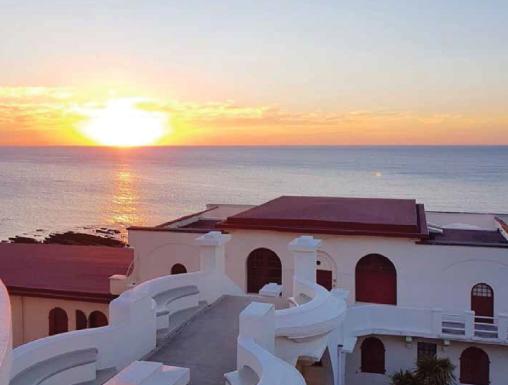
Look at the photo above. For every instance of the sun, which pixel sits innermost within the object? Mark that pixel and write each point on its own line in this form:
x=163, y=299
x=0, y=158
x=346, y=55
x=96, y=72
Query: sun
x=121, y=123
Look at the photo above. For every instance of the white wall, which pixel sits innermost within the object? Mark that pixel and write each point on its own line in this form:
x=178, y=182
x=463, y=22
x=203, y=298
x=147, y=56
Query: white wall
x=427, y=275
x=155, y=252
x=399, y=355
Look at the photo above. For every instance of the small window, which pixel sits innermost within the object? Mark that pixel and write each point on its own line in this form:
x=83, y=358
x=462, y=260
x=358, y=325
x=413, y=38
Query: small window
x=178, y=269
x=426, y=349
x=373, y=356
x=97, y=319
x=58, y=321
x=81, y=321
x=482, y=290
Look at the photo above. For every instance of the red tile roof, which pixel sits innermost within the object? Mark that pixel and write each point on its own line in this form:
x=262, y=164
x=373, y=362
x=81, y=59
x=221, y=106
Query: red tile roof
x=61, y=271
x=333, y=215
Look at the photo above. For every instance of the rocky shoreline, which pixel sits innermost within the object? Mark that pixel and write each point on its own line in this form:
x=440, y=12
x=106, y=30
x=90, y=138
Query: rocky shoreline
x=102, y=237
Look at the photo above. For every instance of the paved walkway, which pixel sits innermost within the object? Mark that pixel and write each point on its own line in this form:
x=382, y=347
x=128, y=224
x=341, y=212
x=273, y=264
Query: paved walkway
x=207, y=344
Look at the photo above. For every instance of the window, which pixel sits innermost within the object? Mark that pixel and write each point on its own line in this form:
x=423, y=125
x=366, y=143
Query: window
x=426, y=349
x=482, y=303
x=263, y=266
x=376, y=280
x=474, y=367
x=482, y=290
x=97, y=319
x=58, y=321
x=178, y=269
x=373, y=356
x=81, y=321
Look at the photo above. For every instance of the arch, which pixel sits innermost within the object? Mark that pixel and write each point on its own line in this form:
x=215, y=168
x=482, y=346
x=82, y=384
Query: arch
x=178, y=268
x=326, y=271
x=482, y=302
x=81, y=321
x=373, y=356
x=376, y=280
x=97, y=319
x=58, y=321
x=474, y=367
x=263, y=266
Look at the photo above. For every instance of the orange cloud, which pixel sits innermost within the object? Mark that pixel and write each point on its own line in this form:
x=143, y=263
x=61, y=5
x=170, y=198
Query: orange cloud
x=39, y=116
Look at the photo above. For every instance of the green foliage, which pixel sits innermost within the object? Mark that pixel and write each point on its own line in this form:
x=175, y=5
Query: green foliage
x=429, y=371
x=403, y=377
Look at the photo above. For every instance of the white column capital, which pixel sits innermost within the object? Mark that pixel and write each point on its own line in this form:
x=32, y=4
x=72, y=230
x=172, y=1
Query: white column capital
x=305, y=243
x=213, y=238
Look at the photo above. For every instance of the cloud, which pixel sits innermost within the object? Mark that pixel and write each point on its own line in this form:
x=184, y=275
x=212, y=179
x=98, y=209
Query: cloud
x=42, y=115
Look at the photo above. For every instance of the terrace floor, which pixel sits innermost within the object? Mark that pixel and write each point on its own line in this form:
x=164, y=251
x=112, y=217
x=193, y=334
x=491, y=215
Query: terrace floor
x=207, y=343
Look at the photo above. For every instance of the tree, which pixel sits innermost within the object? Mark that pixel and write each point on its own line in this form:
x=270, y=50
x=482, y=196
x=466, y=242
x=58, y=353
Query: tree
x=403, y=377
x=434, y=371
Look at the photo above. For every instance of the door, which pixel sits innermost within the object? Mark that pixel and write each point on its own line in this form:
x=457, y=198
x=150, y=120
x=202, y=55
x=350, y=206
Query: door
x=324, y=278
x=263, y=266
x=376, y=280
x=482, y=303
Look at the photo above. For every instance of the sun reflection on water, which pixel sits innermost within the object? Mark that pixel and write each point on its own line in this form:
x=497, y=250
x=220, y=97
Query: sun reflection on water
x=125, y=210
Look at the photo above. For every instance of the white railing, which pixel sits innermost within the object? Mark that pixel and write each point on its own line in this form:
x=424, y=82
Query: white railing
x=421, y=322
x=318, y=311
x=129, y=336
x=268, y=369
x=257, y=363
x=5, y=335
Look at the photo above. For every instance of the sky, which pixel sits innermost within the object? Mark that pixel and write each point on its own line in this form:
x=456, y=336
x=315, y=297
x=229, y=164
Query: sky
x=254, y=72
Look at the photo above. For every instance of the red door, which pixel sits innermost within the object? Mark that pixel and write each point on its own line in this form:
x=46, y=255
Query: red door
x=376, y=280
x=474, y=367
x=482, y=302
x=324, y=278
x=263, y=266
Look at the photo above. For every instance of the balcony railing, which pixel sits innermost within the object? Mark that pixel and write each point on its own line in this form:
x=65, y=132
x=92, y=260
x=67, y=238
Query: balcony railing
x=422, y=322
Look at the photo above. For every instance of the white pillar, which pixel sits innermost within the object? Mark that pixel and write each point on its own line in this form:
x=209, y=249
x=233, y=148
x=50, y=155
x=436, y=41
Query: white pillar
x=304, y=250
x=437, y=321
x=469, y=323
x=212, y=252
x=502, y=327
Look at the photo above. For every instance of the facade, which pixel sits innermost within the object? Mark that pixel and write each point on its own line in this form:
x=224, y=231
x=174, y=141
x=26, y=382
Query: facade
x=58, y=288
x=391, y=253
x=370, y=286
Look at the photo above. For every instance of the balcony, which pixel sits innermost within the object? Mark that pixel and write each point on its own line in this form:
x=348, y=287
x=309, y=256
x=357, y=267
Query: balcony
x=422, y=322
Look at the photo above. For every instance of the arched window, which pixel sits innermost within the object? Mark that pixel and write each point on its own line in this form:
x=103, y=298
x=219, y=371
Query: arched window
x=97, y=319
x=263, y=266
x=81, y=321
x=474, y=367
x=58, y=321
x=376, y=280
x=373, y=356
x=482, y=302
x=178, y=268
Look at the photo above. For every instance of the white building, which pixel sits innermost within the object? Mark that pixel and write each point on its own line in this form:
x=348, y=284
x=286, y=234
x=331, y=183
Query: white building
x=414, y=283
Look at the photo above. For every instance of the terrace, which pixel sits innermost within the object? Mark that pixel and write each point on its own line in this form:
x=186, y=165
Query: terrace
x=199, y=320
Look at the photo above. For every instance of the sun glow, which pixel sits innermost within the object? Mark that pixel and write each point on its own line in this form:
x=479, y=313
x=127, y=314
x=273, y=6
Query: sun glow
x=122, y=123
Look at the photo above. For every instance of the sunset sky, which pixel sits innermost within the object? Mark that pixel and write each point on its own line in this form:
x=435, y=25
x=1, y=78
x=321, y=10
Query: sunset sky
x=253, y=72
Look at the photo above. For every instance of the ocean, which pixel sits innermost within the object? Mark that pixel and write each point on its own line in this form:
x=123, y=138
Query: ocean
x=49, y=189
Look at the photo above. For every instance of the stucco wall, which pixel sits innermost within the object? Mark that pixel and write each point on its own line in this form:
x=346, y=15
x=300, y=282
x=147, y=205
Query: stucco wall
x=30, y=315
x=155, y=252
x=399, y=355
x=427, y=275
